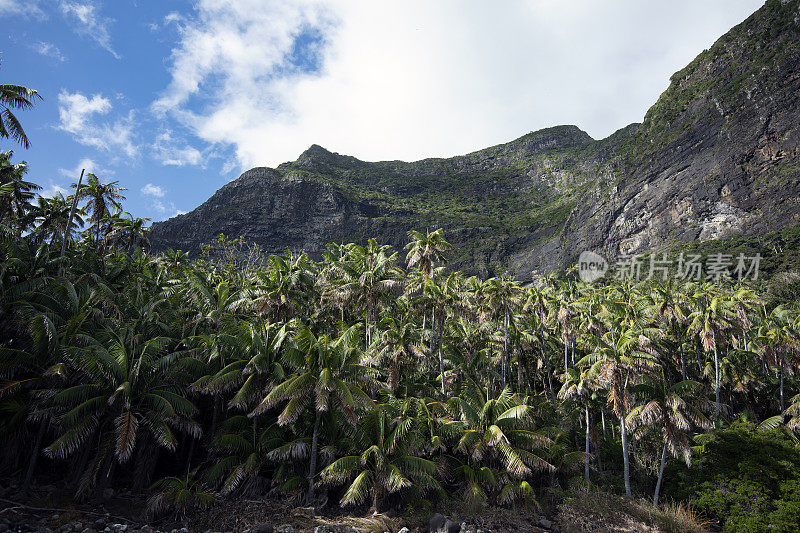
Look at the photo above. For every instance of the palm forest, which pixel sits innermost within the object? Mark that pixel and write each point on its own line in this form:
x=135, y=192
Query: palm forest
x=373, y=378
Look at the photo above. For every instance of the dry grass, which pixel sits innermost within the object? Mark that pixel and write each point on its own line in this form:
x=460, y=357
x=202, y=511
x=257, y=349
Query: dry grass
x=596, y=511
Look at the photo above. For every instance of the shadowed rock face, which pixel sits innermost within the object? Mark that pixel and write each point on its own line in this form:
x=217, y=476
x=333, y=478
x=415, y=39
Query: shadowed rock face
x=718, y=153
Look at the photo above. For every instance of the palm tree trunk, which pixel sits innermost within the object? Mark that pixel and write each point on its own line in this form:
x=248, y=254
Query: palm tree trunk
x=660, y=474
x=549, y=378
x=716, y=381
x=780, y=365
x=441, y=356
x=505, y=344
x=34, y=456
x=603, y=418
x=376, y=497
x=625, y=461
x=312, y=467
x=586, y=465
x=683, y=359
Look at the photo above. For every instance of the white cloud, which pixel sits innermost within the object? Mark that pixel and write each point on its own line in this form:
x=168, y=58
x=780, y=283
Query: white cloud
x=418, y=78
x=90, y=23
x=165, y=210
x=53, y=189
x=152, y=190
x=49, y=50
x=170, y=151
x=24, y=8
x=84, y=164
x=78, y=115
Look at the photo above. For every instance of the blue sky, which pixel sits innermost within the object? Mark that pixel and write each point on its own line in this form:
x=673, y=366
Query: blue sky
x=177, y=97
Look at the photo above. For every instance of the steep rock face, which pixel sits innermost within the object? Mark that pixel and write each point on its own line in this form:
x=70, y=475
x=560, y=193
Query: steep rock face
x=276, y=211
x=718, y=153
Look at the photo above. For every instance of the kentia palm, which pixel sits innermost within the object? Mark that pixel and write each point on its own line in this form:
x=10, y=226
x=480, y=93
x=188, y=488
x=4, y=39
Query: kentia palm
x=674, y=410
x=102, y=200
x=387, y=460
x=13, y=97
x=16, y=195
x=328, y=374
x=128, y=385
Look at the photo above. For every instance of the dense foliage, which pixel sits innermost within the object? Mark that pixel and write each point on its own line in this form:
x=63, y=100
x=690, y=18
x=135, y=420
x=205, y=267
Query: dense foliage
x=364, y=378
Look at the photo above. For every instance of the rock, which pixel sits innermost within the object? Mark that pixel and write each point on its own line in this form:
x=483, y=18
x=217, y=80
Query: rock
x=545, y=523
x=436, y=523
x=330, y=528
x=440, y=524
x=284, y=528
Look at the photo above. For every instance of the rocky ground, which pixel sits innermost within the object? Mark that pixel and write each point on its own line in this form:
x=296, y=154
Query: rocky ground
x=51, y=510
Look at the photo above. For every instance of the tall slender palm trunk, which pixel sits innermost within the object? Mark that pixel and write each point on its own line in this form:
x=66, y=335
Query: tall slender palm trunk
x=586, y=465
x=683, y=359
x=312, y=466
x=625, y=460
x=34, y=456
x=716, y=384
x=504, y=362
x=660, y=474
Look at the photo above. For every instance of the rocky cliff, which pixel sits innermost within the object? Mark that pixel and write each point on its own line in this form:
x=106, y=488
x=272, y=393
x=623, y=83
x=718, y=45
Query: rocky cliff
x=718, y=153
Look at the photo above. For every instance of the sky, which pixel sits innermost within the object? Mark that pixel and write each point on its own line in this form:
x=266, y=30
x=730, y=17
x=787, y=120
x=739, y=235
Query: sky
x=177, y=97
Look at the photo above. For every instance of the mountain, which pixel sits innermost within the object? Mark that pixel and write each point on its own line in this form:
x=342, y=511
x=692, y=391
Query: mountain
x=718, y=154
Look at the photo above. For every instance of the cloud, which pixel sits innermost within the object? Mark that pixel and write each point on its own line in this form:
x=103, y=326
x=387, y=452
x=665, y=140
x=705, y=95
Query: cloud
x=84, y=164
x=172, y=152
x=152, y=190
x=29, y=8
x=89, y=23
x=164, y=210
x=78, y=114
x=49, y=50
x=386, y=80
x=159, y=205
x=53, y=189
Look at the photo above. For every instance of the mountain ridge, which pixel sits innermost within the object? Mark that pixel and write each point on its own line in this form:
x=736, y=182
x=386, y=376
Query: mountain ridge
x=718, y=153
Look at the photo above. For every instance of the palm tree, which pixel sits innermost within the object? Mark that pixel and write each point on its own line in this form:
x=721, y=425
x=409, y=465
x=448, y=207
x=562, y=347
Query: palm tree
x=779, y=341
x=577, y=385
x=497, y=430
x=328, y=374
x=131, y=386
x=368, y=278
x=101, y=199
x=442, y=297
x=675, y=409
x=129, y=232
x=15, y=97
x=398, y=347
x=52, y=216
x=710, y=318
x=536, y=307
x=286, y=287
x=425, y=251
x=671, y=306
x=15, y=194
x=388, y=459
x=617, y=361
x=502, y=295
x=243, y=449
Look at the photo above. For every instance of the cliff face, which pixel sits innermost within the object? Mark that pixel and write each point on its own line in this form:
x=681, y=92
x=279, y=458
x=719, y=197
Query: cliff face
x=718, y=153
